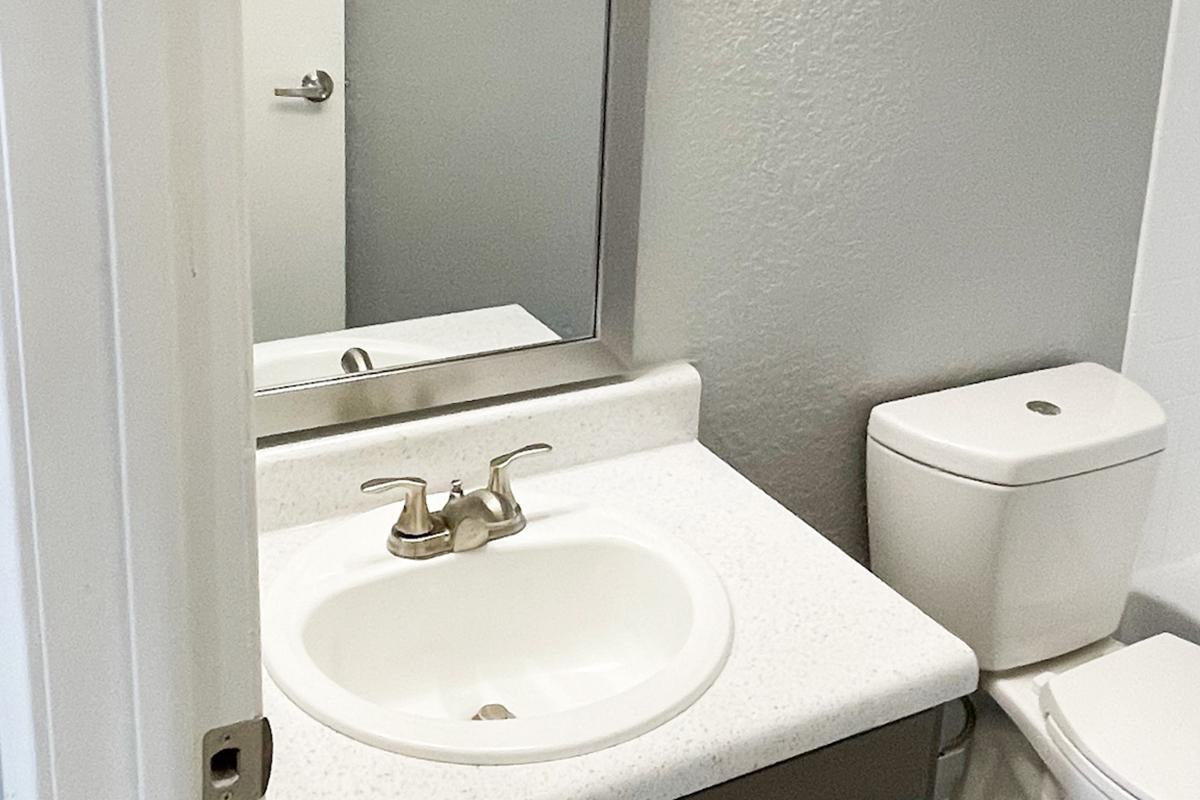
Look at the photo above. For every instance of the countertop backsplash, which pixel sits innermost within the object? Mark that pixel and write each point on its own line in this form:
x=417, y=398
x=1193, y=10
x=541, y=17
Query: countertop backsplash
x=315, y=479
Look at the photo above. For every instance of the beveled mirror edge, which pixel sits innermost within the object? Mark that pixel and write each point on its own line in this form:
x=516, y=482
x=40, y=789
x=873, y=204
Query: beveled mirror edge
x=344, y=400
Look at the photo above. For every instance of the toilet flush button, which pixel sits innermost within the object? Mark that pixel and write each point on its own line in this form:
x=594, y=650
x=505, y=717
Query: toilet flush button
x=1044, y=407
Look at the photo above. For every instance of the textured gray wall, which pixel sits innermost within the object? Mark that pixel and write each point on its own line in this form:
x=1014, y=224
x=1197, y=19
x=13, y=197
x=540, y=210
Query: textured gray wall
x=849, y=201
x=472, y=158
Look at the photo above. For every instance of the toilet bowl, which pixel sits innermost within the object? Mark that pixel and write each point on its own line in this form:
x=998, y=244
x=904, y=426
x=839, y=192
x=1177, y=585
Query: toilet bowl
x=1010, y=511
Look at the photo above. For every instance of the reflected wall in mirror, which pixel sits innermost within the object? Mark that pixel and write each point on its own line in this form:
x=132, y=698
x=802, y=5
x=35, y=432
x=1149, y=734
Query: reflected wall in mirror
x=424, y=179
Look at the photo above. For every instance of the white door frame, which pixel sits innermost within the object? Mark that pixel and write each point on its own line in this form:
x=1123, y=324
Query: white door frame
x=128, y=564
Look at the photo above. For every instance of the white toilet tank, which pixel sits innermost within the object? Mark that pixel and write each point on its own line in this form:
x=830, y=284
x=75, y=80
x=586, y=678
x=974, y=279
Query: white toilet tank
x=1011, y=510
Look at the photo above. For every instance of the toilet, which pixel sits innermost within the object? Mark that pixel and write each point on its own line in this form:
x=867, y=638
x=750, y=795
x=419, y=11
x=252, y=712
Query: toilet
x=1010, y=511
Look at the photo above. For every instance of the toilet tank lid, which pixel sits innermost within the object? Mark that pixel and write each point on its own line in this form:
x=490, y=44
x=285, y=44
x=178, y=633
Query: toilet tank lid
x=1028, y=428
x=1135, y=715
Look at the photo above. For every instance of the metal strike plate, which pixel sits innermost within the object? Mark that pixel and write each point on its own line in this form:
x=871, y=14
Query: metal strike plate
x=236, y=760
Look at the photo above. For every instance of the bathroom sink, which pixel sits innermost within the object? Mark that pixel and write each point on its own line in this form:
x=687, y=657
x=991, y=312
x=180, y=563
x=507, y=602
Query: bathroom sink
x=587, y=627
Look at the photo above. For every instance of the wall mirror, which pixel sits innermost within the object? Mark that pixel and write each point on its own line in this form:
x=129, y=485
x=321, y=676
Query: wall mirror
x=443, y=199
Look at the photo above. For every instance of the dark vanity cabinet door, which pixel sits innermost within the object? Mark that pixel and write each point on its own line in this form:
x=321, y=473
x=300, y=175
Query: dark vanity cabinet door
x=893, y=762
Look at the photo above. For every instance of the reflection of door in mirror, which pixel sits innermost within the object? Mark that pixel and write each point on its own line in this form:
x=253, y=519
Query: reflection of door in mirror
x=442, y=200
x=295, y=166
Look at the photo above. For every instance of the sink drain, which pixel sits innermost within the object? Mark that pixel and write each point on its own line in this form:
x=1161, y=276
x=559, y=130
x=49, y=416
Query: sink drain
x=493, y=711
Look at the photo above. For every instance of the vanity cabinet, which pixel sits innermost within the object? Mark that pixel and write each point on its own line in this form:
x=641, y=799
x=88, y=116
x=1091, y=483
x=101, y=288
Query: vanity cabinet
x=893, y=762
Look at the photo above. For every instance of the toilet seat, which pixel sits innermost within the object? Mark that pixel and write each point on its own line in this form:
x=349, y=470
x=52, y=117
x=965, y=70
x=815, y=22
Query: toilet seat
x=1085, y=781
x=1131, y=719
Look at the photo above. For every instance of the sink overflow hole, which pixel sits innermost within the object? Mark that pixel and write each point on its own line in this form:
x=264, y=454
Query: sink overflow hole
x=493, y=711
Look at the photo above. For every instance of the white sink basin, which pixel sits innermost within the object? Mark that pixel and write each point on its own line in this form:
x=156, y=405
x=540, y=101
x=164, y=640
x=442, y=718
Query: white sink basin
x=590, y=629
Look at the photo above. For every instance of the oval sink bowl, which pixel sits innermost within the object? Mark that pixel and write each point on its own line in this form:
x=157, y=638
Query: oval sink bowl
x=589, y=630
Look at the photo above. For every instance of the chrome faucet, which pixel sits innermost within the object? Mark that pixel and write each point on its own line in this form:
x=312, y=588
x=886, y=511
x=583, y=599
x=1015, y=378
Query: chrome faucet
x=466, y=522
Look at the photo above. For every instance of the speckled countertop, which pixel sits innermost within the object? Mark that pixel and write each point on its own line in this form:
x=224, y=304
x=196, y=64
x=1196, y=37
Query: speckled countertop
x=822, y=650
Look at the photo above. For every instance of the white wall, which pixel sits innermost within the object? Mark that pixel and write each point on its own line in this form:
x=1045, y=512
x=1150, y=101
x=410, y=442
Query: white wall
x=845, y=202
x=1163, y=348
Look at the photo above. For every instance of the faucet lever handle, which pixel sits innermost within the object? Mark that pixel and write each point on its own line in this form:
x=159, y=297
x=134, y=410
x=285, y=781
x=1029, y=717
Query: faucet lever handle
x=414, y=519
x=498, y=481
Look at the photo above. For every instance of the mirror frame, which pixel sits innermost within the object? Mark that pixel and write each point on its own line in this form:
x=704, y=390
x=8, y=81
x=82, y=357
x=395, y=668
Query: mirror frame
x=341, y=400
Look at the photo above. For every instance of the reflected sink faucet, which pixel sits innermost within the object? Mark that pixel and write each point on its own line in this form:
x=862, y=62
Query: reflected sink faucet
x=356, y=360
x=466, y=522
